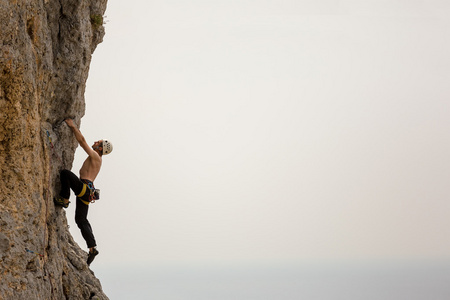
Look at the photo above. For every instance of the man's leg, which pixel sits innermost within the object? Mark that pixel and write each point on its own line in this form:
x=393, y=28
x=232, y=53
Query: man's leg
x=81, y=212
x=68, y=181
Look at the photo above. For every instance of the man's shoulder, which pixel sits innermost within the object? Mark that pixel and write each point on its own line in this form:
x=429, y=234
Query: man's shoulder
x=95, y=155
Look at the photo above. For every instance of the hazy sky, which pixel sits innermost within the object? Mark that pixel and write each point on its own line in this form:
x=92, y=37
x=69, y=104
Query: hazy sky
x=271, y=131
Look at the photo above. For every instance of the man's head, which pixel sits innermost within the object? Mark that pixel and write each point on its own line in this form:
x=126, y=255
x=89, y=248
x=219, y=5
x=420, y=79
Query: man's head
x=103, y=147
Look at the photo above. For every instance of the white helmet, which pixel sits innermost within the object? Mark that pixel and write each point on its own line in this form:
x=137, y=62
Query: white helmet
x=107, y=147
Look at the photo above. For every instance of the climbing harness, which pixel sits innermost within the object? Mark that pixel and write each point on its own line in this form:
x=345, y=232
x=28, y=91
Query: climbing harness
x=94, y=194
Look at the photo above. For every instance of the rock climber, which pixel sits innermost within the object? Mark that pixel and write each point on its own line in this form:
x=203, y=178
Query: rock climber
x=83, y=187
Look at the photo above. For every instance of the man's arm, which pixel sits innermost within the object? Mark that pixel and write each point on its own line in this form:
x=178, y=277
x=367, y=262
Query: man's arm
x=80, y=138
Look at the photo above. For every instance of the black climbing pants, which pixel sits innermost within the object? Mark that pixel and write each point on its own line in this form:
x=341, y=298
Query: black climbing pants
x=70, y=181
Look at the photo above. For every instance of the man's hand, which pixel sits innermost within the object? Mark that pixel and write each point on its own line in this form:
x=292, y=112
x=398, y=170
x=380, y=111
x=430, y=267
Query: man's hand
x=70, y=123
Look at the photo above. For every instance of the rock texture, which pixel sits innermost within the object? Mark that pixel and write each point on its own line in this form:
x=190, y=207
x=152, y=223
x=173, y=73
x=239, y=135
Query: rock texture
x=46, y=49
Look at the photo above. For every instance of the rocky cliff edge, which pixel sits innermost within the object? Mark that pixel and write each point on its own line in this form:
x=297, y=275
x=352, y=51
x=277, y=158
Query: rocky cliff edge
x=46, y=49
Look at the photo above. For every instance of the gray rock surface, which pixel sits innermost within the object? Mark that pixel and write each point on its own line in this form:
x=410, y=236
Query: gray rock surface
x=45, y=51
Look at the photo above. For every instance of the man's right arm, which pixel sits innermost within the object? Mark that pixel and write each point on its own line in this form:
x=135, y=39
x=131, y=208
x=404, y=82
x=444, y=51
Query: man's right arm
x=80, y=138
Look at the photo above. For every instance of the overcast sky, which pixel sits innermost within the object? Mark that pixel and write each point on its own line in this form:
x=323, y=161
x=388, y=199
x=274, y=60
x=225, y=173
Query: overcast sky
x=271, y=131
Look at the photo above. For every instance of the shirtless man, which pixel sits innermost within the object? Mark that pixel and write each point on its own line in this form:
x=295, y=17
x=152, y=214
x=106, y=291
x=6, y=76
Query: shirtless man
x=83, y=187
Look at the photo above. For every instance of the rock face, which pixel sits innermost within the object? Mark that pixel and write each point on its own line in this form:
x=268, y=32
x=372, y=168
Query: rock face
x=45, y=52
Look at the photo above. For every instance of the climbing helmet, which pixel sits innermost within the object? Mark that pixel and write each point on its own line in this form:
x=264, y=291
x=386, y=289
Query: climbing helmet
x=107, y=147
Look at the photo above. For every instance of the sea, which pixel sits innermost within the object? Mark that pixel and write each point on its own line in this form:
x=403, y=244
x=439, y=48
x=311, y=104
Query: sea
x=367, y=281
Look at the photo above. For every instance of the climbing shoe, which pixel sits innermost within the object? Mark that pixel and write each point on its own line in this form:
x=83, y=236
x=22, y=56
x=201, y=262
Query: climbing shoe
x=92, y=254
x=60, y=201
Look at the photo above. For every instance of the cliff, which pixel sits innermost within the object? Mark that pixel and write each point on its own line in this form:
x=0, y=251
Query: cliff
x=46, y=49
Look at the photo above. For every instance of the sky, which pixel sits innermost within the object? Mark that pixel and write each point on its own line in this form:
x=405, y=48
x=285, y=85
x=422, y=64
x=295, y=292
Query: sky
x=271, y=132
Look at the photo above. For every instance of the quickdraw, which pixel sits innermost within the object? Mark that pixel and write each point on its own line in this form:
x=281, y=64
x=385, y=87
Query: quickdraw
x=50, y=139
x=32, y=252
x=46, y=208
x=52, y=146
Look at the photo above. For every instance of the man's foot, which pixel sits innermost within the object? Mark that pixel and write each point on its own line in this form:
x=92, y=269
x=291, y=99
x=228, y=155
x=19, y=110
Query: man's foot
x=92, y=254
x=61, y=202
